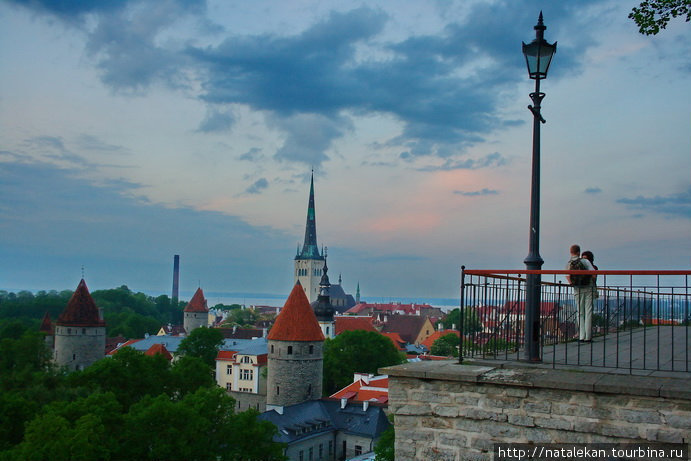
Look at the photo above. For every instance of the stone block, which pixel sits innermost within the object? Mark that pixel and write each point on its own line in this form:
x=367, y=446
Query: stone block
x=467, y=399
x=628, y=385
x=667, y=436
x=453, y=439
x=414, y=410
x=537, y=407
x=445, y=411
x=504, y=431
x=520, y=420
x=482, y=444
x=639, y=416
x=553, y=423
x=680, y=421
x=501, y=403
x=406, y=422
x=627, y=431
x=436, y=423
x=438, y=454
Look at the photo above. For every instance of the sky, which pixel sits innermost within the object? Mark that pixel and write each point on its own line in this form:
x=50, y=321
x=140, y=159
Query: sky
x=134, y=130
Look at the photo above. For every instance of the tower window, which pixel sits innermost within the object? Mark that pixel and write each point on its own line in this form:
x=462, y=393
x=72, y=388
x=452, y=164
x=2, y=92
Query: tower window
x=83, y=331
x=290, y=350
x=311, y=349
x=278, y=390
x=272, y=348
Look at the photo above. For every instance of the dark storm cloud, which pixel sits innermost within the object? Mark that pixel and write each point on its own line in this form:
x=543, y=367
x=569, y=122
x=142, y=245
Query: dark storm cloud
x=258, y=186
x=677, y=205
x=476, y=193
x=444, y=89
x=488, y=161
x=216, y=120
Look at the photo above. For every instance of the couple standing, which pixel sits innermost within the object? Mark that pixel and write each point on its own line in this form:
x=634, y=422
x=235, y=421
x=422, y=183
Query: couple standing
x=584, y=290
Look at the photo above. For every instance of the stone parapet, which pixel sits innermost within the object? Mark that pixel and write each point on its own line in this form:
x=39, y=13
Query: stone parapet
x=448, y=411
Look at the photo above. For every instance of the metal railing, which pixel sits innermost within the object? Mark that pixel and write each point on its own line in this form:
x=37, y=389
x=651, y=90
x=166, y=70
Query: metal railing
x=641, y=319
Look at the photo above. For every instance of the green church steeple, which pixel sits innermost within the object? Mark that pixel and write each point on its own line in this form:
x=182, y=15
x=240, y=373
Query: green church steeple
x=310, y=250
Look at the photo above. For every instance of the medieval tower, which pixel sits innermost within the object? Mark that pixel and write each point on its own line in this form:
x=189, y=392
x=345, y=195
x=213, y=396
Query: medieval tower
x=196, y=312
x=308, y=261
x=295, y=356
x=323, y=309
x=80, y=332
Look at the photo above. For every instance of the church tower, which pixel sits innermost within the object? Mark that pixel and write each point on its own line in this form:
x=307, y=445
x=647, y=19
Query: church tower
x=322, y=307
x=196, y=312
x=308, y=262
x=80, y=332
x=295, y=355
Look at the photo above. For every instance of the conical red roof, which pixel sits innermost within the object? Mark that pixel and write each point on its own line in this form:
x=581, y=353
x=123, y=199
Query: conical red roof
x=297, y=321
x=81, y=310
x=46, y=324
x=197, y=303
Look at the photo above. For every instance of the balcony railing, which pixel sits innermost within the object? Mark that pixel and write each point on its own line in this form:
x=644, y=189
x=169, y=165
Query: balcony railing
x=640, y=318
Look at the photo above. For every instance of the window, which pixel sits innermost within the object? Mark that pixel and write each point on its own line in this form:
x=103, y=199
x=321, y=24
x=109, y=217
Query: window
x=302, y=455
x=246, y=374
x=327, y=330
x=358, y=450
x=311, y=455
x=74, y=356
x=331, y=447
x=321, y=450
x=246, y=359
x=228, y=387
x=69, y=331
x=290, y=350
x=278, y=390
x=344, y=448
x=229, y=369
x=83, y=331
x=272, y=348
x=312, y=348
x=309, y=389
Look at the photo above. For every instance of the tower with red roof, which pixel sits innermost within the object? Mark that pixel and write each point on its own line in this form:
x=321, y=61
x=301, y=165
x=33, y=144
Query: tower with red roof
x=196, y=312
x=295, y=356
x=80, y=332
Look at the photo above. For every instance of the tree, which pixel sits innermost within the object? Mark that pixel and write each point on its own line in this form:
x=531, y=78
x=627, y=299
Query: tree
x=203, y=343
x=651, y=16
x=471, y=322
x=446, y=345
x=384, y=449
x=356, y=351
x=242, y=317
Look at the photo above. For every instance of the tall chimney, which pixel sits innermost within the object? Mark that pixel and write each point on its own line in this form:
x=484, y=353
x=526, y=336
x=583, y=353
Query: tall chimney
x=176, y=280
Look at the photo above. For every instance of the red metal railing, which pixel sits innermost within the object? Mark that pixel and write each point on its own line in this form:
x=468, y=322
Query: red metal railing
x=640, y=318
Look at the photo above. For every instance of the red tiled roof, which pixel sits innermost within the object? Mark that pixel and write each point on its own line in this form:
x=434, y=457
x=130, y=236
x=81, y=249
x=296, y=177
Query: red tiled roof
x=225, y=355
x=351, y=323
x=81, y=310
x=396, y=339
x=377, y=389
x=46, y=325
x=197, y=303
x=429, y=341
x=407, y=326
x=159, y=349
x=128, y=343
x=297, y=321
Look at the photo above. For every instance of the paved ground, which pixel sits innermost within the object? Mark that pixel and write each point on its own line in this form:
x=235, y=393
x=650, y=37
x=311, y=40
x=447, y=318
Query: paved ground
x=653, y=351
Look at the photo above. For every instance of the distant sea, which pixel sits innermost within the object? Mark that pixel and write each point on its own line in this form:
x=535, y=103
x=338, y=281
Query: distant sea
x=263, y=299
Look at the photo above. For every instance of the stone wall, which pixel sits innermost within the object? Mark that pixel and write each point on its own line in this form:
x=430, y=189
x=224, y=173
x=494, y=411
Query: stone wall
x=296, y=367
x=447, y=411
x=78, y=347
x=247, y=400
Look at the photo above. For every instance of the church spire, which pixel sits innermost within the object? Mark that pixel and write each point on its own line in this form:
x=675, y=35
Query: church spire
x=310, y=250
x=357, y=295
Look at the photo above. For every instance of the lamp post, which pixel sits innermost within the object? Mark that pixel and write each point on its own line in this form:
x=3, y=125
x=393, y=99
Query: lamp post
x=538, y=55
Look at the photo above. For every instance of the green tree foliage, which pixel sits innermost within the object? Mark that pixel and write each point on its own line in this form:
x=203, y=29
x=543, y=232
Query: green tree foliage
x=203, y=343
x=446, y=345
x=356, y=351
x=242, y=317
x=654, y=15
x=471, y=323
x=130, y=406
x=384, y=449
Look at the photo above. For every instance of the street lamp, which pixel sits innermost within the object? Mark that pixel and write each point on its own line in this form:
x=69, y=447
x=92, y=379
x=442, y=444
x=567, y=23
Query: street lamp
x=538, y=56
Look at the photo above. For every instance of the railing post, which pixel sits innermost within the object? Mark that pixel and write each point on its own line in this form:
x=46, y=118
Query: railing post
x=460, y=331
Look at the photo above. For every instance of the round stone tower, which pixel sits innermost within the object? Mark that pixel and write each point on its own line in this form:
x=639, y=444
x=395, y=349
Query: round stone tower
x=196, y=312
x=295, y=355
x=80, y=332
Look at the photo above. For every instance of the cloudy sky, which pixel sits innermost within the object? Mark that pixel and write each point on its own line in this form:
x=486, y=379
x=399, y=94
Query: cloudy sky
x=134, y=130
